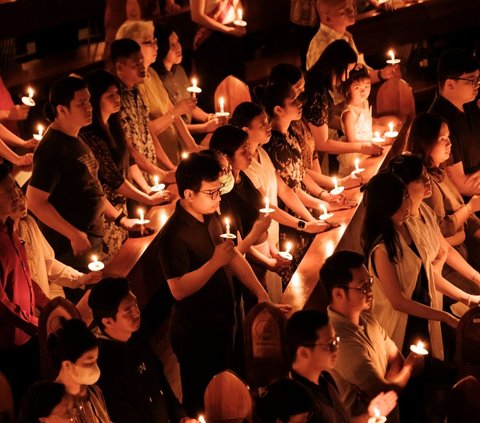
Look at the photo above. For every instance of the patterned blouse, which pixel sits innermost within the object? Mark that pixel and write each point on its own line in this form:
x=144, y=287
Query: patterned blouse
x=319, y=108
x=134, y=118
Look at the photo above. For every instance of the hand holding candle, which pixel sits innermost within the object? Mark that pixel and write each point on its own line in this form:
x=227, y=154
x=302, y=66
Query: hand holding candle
x=337, y=190
x=95, y=265
x=222, y=112
x=239, y=21
x=286, y=254
x=228, y=234
x=194, y=89
x=39, y=135
x=267, y=209
x=325, y=214
x=141, y=217
x=392, y=60
x=157, y=185
x=29, y=101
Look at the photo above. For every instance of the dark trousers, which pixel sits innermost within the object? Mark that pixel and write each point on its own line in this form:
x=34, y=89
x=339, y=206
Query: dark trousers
x=217, y=57
x=201, y=356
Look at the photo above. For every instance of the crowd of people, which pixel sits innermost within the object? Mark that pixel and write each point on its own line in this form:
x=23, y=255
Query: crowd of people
x=116, y=135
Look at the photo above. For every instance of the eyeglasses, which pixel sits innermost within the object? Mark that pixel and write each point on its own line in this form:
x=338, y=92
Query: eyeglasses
x=332, y=346
x=474, y=81
x=152, y=43
x=365, y=288
x=214, y=194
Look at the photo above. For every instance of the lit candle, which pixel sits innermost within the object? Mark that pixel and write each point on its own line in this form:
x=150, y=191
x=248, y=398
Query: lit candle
x=391, y=133
x=267, y=208
x=239, y=20
x=227, y=234
x=337, y=190
x=157, y=185
x=221, y=103
x=194, y=89
x=39, y=135
x=29, y=101
x=156, y=179
x=377, y=417
x=392, y=60
x=240, y=14
x=358, y=169
x=419, y=348
x=286, y=254
x=141, y=214
x=325, y=214
x=377, y=137
x=184, y=155
x=201, y=419
x=95, y=265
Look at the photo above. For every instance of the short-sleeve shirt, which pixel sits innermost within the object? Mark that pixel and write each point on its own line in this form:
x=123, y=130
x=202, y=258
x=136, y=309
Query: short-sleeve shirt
x=184, y=245
x=66, y=168
x=464, y=132
x=176, y=83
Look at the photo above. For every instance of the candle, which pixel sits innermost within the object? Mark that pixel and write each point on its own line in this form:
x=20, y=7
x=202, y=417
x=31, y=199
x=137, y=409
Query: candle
x=29, y=101
x=286, y=254
x=201, y=419
x=377, y=417
x=267, y=208
x=239, y=20
x=358, y=169
x=419, y=348
x=95, y=265
x=39, y=135
x=391, y=133
x=141, y=214
x=325, y=214
x=337, y=190
x=184, y=155
x=377, y=137
x=227, y=234
x=392, y=60
x=156, y=179
x=222, y=112
x=194, y=89
x=157, y=185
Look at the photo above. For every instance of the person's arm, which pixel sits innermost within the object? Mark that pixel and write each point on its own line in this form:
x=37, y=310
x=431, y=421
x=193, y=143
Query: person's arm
x=133, y=193
x=288, y=196
x=457, y=262
x=323, y=143
x=189, y=143
x=143, y=163
x=468, y=185
x=16, y=112
x=11, y=139
x=197, y=11
x=396, y=297
x=43, y=209
x=160, y=153
x=21, y=161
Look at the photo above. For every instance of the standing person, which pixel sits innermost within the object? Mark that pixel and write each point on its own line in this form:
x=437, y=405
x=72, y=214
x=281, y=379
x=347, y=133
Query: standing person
x=198, y=267
x=64, y=192
x=74, y=351
x=20, y=296
x=458, y=84
x=304, y=18
x=165, y=120
x=132, y=378
x=105, y=138
x=218, y=41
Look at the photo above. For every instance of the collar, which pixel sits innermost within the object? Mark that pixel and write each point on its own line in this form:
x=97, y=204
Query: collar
x=126, y=90
x=334, y=34
x=446, y=106
x=189, y=219
x=339, y=319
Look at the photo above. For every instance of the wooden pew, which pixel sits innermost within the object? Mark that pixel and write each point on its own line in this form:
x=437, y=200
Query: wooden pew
x=303, y=290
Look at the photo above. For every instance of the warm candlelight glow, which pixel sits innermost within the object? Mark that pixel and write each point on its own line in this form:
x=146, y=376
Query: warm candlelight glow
x=156, y=180
x=29, y=101
x=30, y=92
x=357, y=162
x=324, y=209
x=240, y=14
x=376, y=412
x=201, y=419
x=95, y=265
x=221, y=102
x=194, y=82
x=391, y=53
x=335, y=183
x=267, y=203
x=141, y=214
x=288, y=247
x=40, y=129
x=194, y=89
x=392, y=60
x=419, y=348
x=94, y=258
x=390, y=126
x=336, y=190
x=184, y=155
x=227, y=226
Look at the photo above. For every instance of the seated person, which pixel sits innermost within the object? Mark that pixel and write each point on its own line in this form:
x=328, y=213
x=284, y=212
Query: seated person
x=175, y=80
x=165, y=119
x=47, y=402
x=312, y=345
x=20, y=296
x=368, y=357
x=132, y=378
x=429, y=138
x=458, y=83
x=74, y=351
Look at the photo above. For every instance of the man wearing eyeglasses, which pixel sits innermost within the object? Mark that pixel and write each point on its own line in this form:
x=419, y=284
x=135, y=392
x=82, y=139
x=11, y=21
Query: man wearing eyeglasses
x=458, y=79
x=199, y=266
x=368, y=357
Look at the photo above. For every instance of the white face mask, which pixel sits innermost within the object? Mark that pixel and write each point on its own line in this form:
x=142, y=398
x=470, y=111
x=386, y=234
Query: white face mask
x=228, y=182
x=85, y=375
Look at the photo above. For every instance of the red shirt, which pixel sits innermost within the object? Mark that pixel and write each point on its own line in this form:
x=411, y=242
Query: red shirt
x=17, y=293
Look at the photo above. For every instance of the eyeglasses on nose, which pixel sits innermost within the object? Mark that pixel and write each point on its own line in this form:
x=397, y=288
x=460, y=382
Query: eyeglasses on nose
x=365, y=288
x=214, y=194
x=332, y=346
x=151, y=43
x=474, y=81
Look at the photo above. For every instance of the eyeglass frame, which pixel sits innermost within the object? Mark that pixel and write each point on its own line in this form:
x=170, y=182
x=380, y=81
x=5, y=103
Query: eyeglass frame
x=152, y=43
x=365, y=288
x=473, y=81
x=215, y=193
x=332, y=346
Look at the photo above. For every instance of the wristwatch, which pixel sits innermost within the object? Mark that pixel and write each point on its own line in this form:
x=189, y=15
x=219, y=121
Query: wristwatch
x=301, y=224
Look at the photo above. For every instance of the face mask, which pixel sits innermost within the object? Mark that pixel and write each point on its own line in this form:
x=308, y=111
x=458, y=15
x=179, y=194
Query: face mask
x=85, y=375
x=228, y=182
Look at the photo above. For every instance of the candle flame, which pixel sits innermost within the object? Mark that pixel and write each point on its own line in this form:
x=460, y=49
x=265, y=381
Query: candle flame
x=194, y=82
x=324, y=208
x=376, y=134
x=156, y=180
x=94, y=258
x=288, y=247
x=390, y=126
x=391, y=53
x=140, y=213
x=240, y=14
x=357, y=162
x=335, y=183
x=376, y=412
x=420, y=345
x=227, y=221
x=184, y=155
x=30, y=92
x=40, y=129
x=221, y=102
x=201, y=419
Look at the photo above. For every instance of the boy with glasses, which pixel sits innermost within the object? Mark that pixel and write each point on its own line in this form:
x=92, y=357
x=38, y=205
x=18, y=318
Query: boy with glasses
x=199, y=267
x=458, y=85
x=313, y=349
x=368, y=358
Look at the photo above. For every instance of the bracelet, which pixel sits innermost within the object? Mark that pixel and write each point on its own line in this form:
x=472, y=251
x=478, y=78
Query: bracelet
x=119, y=218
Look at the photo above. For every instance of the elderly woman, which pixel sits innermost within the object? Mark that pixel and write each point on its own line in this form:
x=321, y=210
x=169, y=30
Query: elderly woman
x=165, y=118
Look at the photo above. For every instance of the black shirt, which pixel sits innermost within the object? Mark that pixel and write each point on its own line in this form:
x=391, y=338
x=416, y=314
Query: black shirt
x=184, y=245
x=464, y=132
x=134, y=384
x=66, y=168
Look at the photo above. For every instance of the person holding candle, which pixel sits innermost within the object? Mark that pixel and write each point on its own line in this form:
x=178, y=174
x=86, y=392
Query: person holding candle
x=64, y=192
x=171, y=72
x=198, y=265
x=165, y=121
x=312, y=346
x=458, y=86
x=105, y=138
x=429, y=138
x=218, y=41
x=74, y=351
x=368, y=357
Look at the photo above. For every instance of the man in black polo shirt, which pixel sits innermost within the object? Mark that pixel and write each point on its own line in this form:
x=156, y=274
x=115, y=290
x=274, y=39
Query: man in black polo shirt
x=198, y=266
x=458, y=79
